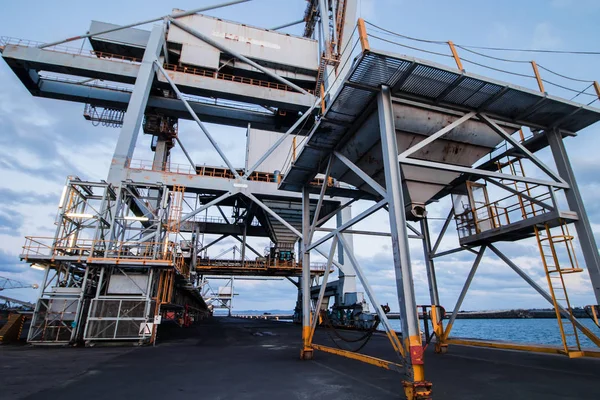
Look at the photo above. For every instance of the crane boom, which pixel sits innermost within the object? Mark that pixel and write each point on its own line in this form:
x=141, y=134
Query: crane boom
x=6, y=283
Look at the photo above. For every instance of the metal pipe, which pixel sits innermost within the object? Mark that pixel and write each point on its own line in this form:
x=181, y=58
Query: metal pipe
x=176, y=15
x=200, y=124
x=522, y=194
x=237, y=55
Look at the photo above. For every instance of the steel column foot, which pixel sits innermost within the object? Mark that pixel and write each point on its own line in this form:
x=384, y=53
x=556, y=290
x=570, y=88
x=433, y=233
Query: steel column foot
x=306, y=354
x=417, y=390
x=441, y=348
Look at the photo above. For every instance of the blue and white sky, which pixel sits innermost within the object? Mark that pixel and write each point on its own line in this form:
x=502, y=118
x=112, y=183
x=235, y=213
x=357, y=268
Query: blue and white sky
x=42, y=141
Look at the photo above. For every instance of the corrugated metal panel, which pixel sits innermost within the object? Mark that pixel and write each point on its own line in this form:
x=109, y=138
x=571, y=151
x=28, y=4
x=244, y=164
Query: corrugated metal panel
x=260, y=141
x=256, y=43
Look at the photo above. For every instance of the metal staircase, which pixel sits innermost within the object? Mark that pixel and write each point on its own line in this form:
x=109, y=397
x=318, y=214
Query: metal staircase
x=556, y=250
x=11, y=331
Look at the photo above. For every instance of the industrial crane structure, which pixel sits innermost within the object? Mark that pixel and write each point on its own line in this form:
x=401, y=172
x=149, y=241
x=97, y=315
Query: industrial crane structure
x=359, y=123
x=6, y=283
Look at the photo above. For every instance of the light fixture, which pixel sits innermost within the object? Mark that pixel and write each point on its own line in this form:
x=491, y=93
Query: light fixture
x=133, y=218
x=78, y=215
x=38, y=267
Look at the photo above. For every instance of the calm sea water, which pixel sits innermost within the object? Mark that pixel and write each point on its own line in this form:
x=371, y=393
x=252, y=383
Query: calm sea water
x=538, y=331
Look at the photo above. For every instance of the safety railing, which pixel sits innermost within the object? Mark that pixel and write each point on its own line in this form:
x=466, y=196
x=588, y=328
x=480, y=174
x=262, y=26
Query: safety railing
x=174, y=168
x=258, y=265
x=211, y=219
x=221, y=172
x=6, y=41
x=228, y=77
x=502, y=212
x=117, y=251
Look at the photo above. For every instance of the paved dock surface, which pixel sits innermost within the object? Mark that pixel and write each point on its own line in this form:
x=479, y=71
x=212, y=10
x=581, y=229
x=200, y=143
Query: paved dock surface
x=228, y=358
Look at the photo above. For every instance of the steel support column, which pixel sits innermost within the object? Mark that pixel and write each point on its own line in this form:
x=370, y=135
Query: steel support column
x=582, y=225
x=347, y=279
x=402, y=266
x=433, y=289
x=306, y=352
x=132, y=121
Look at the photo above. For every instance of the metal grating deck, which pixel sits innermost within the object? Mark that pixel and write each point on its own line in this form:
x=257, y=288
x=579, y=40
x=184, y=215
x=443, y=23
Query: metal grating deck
x=433, y=84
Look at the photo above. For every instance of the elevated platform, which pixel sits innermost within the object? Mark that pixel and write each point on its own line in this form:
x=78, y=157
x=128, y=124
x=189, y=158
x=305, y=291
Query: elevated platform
x=421, y=89
x=255, y=268
x=49, y=73
x=519, y=230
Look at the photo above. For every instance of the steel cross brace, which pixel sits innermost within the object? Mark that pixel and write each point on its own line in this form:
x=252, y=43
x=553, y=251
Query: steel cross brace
x=195, y=117
x=545, y=295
